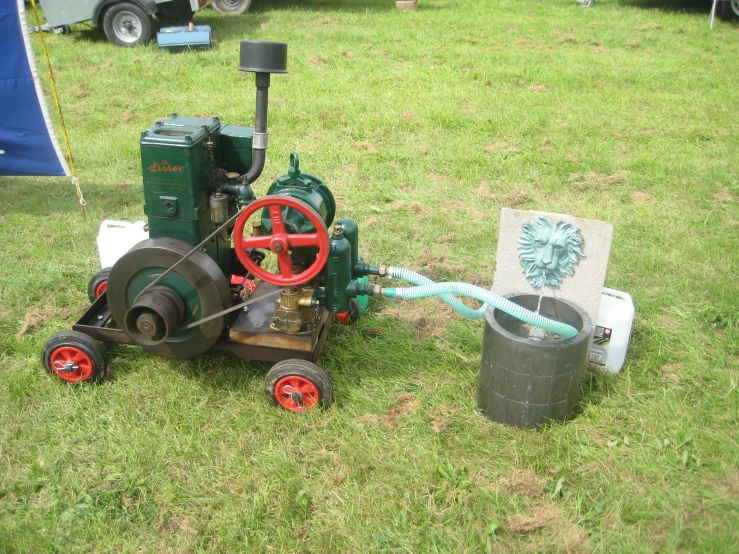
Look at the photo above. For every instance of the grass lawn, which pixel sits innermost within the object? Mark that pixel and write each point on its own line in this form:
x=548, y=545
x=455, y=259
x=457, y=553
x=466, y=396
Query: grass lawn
x=424, y=125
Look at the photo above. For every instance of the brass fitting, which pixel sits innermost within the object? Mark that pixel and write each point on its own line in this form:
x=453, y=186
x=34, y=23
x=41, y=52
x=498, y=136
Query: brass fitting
x=306, y=298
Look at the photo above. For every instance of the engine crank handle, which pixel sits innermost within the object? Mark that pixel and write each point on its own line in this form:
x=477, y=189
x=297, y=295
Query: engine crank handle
x=228, y=311
x=190, y=253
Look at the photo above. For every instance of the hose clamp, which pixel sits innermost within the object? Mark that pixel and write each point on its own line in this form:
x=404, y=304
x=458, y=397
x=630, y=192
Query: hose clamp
x=259, y=141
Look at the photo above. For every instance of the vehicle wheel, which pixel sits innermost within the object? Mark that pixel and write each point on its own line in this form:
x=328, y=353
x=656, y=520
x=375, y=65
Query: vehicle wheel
x=298, y=386
x=126, y=24
x=98, y=284
x=74, y=357
x=231, y=7
x=177, y=12
x=729, y=9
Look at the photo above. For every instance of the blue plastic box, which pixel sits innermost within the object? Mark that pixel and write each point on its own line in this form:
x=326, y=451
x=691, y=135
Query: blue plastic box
x=177, y=39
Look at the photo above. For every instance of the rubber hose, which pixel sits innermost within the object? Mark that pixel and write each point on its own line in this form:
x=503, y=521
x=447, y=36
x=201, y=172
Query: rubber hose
x=488, y=297
x=453, y=301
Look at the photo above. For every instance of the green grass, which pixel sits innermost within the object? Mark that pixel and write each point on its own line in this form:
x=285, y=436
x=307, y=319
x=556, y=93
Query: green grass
x=424, y=125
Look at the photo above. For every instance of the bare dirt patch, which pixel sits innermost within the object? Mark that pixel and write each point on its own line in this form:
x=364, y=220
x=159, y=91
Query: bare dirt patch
x=524, y=482
x=318, y=60
x=350, y=168
x=426, y=324
x=502, y=146
x=438, y=270
x=441, y=417
x=472, y=213
x=546, y=145
x=371, y=222
x=651, y=26
x=365, y=145
x=37, y=315
x=538, y=87
x=671, y=372
x=596, y=180
x=730, y=488
x=520, y=524
x=640, y=198
x=575, y=540
x=545, y=515
x=324, y=21
x=405, y=404
x=724, y=196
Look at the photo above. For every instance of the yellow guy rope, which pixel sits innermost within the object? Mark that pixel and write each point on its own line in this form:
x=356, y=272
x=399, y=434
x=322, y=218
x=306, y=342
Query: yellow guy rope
x=75, y=180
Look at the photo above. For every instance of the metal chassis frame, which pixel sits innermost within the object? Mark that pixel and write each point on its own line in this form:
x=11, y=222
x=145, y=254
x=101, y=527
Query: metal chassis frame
x=93, y=323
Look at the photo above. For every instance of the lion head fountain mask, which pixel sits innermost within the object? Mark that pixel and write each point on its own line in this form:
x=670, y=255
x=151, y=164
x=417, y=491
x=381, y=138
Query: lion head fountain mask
x=547, y=252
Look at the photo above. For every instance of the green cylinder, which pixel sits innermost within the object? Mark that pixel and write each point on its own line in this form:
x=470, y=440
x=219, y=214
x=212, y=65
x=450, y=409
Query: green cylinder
x=338, y=272
x=351, y=233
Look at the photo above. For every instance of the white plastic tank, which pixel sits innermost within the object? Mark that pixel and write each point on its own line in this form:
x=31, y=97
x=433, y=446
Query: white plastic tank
x=612, y=330
x=115, y=238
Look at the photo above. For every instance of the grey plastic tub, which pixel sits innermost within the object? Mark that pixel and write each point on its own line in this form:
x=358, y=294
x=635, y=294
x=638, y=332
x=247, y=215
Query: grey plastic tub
x=525, y=382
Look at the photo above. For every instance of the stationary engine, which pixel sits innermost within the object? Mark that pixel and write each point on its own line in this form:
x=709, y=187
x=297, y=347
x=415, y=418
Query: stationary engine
x=166, y=292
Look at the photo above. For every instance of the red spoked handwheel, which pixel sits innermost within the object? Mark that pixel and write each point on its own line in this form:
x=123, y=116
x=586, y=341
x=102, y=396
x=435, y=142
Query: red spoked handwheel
x=280, y=241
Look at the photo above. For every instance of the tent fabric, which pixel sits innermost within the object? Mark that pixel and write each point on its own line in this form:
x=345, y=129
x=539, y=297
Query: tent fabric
x=28, y=145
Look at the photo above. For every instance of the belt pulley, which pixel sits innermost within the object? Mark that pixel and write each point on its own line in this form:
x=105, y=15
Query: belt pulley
x=158, y=319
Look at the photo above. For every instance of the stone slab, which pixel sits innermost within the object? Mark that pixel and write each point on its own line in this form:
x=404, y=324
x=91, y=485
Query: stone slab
x=584, y=288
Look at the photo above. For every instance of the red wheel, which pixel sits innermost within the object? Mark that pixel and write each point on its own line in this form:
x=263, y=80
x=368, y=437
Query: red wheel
x=74, y=357
x=296, y=394
x=71, y=364
x=298, y=386
x=101, y=288
x=281, y=241
x=98, y=284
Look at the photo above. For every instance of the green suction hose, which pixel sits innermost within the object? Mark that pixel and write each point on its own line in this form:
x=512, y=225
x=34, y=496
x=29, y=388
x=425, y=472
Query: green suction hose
x=453, y=301
x=483, y=295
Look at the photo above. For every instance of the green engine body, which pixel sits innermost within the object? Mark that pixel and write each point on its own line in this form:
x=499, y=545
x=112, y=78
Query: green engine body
x=186, y=159
x=178, y=158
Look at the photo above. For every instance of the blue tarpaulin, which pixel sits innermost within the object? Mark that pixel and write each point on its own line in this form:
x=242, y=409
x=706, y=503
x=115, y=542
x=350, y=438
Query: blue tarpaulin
x=28, y=145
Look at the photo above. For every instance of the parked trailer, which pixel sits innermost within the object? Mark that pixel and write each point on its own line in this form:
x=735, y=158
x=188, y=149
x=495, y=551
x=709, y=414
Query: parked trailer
x=125, y=22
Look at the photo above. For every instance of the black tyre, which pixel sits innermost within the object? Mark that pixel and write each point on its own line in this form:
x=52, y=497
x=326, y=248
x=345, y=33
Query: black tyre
x=728, y=9
x=177, y=12
x=231, y=7
x=98, y=284
x=74, y=357
x=298, y=386
x=126, y=24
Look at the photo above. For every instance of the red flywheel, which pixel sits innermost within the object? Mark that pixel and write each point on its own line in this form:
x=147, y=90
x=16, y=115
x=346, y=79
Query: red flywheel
x=281, y=242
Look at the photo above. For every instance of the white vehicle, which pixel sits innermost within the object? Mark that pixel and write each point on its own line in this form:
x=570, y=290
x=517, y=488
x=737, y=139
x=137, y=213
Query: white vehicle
x=125, y=22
